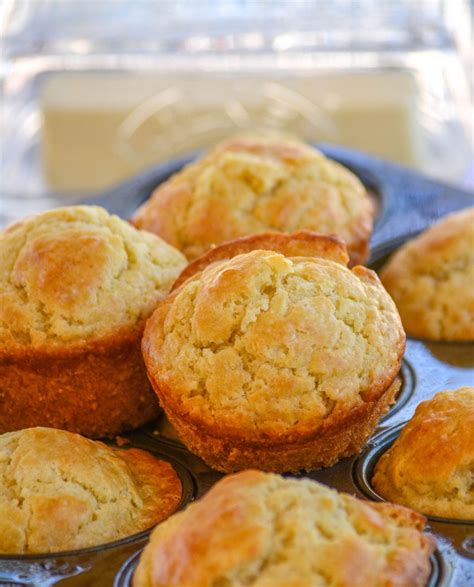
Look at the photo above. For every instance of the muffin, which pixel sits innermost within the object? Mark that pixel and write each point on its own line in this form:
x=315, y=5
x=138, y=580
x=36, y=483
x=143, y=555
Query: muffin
x=76, y=287
x=430, y=466
x=431, y=280
x=274, y=362
x=259, y=529
x=60, y=491
x=250, y=185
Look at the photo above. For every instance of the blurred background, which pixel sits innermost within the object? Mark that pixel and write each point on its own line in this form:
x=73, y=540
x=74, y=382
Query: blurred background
x=94, y=91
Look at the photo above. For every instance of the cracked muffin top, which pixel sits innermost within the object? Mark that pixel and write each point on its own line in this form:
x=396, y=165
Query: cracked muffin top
x=267, y=345
x=430, y=467
x=250, y=185
x=60, y=491
x=431, y=280
x=78, y=273
x=257, y=529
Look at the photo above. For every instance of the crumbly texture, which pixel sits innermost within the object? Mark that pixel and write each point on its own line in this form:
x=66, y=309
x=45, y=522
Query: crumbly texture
x=60, y=491
x=251, y=185
x=430, y=467
x=260, y=530
x=303, y=243
x=269, y=350
x=100, y=390
x=77, y=274
x=431, y=280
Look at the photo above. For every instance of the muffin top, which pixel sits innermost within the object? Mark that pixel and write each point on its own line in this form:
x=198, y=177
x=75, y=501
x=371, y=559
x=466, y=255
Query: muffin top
x=77, y=274
x=250, y=185
x=61, y=491
x=430, y=466
x=260, y=529
x=430, y=279
x=262, y=345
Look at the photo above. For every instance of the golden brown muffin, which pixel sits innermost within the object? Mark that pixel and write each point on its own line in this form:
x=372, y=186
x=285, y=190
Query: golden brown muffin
x=60, y=491
x=431, y=280
x=281, y=363
x=430, y=467
x=250, y=185
x=256, y=529
x=76, y=286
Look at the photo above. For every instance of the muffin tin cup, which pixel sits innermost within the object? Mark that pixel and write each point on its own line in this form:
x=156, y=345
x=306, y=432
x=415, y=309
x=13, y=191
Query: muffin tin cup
x=407, y=376
x=50, y=568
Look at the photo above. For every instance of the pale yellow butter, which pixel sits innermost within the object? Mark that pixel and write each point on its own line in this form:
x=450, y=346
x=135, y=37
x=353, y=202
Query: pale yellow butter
x=100, y=128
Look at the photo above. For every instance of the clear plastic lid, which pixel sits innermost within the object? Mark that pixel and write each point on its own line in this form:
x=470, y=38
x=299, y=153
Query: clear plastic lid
x=96, y=91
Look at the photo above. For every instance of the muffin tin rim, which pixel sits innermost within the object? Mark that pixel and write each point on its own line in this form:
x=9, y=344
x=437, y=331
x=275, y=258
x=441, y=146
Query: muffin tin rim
x=408, y=376
x=124, y=575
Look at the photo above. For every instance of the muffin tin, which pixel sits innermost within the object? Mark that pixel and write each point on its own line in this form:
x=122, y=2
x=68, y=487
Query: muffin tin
x=407, y=203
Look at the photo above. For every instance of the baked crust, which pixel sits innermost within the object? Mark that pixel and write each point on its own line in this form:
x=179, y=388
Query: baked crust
x=264, y=360
x=60, y=491
x=78, y=274
x=303, y=243
x=258, y=529
x=431, y=464
x=251, y=185
x=100, y=389
x=76, y=288
x=431, y=280
x=336, y=438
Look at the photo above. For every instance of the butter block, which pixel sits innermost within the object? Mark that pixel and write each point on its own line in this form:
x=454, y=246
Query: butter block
x=100, y=128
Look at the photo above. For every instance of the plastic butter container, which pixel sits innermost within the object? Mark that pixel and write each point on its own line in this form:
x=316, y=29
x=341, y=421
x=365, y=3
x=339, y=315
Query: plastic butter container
x=96, y=92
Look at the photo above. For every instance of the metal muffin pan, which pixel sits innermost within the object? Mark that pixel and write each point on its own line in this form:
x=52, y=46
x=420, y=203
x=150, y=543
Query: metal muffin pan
x=407, y=203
